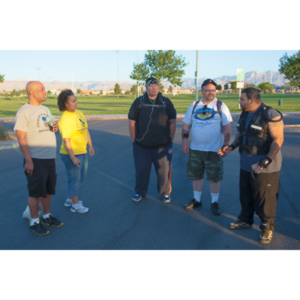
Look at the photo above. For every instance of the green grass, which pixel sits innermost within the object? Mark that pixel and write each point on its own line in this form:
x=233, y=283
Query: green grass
x=111, y=105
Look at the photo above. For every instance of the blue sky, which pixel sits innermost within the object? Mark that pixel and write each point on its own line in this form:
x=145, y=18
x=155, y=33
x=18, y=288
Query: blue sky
x=96, y=65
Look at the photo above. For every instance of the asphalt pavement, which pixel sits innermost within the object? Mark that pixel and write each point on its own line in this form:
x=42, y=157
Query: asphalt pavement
x=116, y=222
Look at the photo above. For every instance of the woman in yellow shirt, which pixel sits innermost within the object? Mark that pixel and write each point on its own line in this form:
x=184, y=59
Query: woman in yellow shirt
x=73, y=128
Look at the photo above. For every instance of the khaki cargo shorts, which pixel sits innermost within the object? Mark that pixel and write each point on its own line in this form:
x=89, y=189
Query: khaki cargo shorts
x=200, y=161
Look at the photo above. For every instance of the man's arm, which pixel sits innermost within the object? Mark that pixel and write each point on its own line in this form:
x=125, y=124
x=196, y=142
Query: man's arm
x=231, y=147
x=21, y=136
x=172, y=128
x=185, y=135
x=227, y=134
x=276, y=130
x=132, y=129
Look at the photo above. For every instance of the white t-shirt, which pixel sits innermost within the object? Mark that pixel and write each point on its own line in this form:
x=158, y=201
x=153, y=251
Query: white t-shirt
x=34, y=120
x=206, y=125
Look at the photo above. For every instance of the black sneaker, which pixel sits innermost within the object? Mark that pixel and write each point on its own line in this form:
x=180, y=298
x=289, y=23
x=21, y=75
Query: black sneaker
x=137, y=198
x=51, y=221
x=193, y=204
x=240, y=225
x=39, y=229
x=215, y=208
x=266, y=237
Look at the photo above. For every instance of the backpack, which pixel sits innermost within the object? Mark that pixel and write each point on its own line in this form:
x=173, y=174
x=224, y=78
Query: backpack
x=219, y=110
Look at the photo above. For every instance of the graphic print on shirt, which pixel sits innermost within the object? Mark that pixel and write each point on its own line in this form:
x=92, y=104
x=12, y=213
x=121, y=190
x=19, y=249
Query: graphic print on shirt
x=42, y=121
x=204, y=113
x=81, y=126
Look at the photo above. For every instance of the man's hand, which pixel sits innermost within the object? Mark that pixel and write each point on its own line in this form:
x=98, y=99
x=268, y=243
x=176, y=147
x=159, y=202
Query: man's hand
x=185, y=147
x=55, y=127
x=28, y=168
x=223, y=151
x=262, y=164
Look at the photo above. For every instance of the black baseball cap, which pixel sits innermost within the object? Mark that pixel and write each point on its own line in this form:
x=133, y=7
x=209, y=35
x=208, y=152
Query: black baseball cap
x=207, y=81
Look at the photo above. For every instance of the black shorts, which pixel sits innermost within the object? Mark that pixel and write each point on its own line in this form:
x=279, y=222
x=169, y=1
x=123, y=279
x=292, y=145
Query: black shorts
x=43, y=179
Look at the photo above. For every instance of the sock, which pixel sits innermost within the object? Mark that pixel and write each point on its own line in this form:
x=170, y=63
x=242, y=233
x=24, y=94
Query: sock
x=197, y=196
x=214, y=197
x=46, y=216
x=32, y=221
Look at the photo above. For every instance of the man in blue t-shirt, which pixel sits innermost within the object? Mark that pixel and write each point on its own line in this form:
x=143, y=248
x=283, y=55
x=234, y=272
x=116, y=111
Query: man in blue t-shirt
x=259, y=138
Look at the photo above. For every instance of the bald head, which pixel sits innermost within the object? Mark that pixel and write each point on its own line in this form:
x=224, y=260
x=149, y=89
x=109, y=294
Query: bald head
x=36, y=92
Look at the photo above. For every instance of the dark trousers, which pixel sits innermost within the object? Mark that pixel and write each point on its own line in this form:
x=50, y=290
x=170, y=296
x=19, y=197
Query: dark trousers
x=259, y=193
x=162, y=160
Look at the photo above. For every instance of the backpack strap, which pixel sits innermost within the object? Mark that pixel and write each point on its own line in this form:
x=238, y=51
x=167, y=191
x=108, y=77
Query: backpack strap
x=196, y=103
x=219, y=110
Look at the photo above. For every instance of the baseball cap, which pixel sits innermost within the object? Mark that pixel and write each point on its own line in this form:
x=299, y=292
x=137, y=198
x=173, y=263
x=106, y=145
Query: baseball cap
x=207, y=81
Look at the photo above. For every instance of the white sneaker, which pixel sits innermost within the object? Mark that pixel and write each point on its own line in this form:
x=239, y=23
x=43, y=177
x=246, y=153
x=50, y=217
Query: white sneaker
x=80, y=209
x=69, y=202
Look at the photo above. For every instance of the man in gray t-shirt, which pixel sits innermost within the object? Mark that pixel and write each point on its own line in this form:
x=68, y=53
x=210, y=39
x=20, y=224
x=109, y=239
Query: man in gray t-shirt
x=36, y=138
x=260, y=137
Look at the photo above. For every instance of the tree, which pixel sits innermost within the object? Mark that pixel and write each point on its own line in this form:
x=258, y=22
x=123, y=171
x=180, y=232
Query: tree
x=290, y=67
x=233, y=85
x=170, y=89
x=101, y=92
x=161, y=65
x=264, y=86
x=91, y=93
x=79, y=91
x=134, y=89
x=226, y=86
x=49, y=93
x=117, y=89
x=219, y=87
x=251, y=85
x=1, y=78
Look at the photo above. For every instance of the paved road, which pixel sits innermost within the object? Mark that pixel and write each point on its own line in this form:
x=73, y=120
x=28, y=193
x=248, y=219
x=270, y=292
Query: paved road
x=116, y=222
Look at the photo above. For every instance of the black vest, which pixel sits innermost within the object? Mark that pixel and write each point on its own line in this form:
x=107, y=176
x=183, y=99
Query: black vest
x=152, y=128
x=256, y=140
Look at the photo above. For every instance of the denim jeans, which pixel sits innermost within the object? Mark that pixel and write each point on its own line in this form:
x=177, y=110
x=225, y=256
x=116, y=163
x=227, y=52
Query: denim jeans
x=75, y=174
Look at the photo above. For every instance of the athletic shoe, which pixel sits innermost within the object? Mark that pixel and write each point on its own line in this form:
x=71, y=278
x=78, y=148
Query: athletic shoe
x=39, y=229
x=215, y=208
x=240, y=225
x=137, y=197
x=193, y=204
x=51, y=221
x=69, y=202
x=80, y=209
x=166, y=199
x=266, y=237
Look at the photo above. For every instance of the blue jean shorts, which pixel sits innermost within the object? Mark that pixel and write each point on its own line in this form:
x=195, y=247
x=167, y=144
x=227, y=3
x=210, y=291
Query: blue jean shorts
x=75, y=174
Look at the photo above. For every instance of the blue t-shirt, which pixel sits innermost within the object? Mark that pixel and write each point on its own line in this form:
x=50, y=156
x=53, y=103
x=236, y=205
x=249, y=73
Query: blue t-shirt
x=247, y=161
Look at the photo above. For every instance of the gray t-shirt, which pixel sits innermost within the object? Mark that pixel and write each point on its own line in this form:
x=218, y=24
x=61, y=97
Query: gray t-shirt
x=246, y=161
x=34, y=120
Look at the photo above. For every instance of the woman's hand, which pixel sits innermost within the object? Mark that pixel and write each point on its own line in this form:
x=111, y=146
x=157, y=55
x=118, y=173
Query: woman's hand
x=91, y=150
x=76, y=162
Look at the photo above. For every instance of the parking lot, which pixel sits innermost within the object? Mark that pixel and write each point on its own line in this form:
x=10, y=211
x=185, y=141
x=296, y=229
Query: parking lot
x=116, y=222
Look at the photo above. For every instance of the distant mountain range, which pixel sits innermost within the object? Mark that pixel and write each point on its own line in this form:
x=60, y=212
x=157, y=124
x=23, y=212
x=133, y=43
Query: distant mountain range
x=275, y=78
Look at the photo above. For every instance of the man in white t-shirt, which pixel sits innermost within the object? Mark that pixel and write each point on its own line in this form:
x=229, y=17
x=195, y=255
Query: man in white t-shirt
x=208, y=120
x=37, y=141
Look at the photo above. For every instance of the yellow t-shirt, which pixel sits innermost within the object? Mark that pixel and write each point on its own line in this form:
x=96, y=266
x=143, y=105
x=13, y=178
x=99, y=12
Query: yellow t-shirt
x=73, y=125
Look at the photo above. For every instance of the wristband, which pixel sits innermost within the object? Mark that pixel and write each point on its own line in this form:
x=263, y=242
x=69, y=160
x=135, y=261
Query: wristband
x=232, y=146
x=185, y=135
x=264, y=162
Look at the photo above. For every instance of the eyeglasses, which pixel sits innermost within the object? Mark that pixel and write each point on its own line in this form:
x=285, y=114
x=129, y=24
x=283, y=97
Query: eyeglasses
x=209, y=91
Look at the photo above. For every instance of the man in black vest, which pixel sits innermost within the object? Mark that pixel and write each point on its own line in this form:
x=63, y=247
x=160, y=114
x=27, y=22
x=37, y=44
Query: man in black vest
x=152, y=124
x=259, y=138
